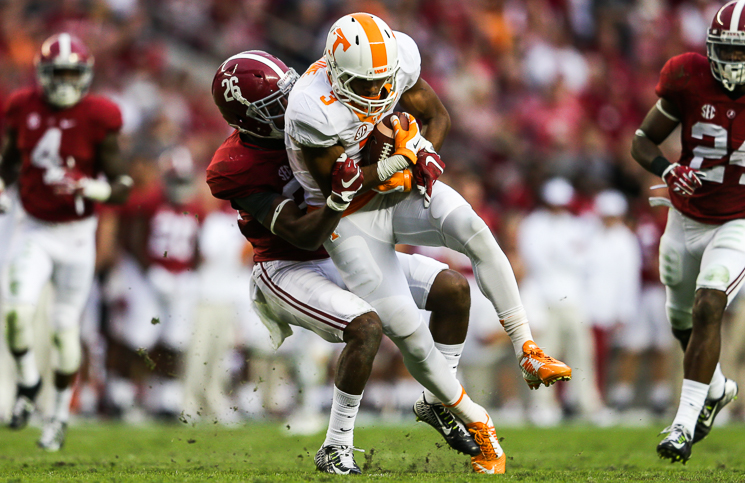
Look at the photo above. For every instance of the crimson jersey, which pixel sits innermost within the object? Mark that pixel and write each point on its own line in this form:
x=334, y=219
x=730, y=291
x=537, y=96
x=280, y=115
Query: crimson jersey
x=239, y=169
x=53, y=140
x=171, y=231
x=712, y=138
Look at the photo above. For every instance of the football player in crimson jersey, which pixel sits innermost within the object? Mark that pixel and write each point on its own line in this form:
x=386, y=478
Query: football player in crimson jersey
x=702, y=252
x=61, y=146
x=295, y=281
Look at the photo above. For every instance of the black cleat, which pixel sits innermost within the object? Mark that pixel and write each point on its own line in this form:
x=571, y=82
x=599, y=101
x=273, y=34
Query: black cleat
x=24, y=405
x=338, y=460
x=711, y=409
x=449, y=426
x=677, y=445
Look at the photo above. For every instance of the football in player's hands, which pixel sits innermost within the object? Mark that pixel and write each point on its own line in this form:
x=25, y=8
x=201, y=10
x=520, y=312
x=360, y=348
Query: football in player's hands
x=346, y=178
x=381, y=142
x=683, y=180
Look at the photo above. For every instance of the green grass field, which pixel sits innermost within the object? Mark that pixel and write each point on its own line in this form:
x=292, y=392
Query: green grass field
x=411, y=453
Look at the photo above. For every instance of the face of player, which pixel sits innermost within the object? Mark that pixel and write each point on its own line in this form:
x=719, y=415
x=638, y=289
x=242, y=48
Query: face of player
x=731, y=53
x=370, y=89
x=276, y=111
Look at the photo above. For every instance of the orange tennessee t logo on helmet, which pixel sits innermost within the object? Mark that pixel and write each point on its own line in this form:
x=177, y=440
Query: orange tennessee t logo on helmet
x=340, y=39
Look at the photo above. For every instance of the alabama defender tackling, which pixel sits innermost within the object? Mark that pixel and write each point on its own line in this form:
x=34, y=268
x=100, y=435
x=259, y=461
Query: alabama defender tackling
x=61, y=147
x=295, y=281
x=702, y=252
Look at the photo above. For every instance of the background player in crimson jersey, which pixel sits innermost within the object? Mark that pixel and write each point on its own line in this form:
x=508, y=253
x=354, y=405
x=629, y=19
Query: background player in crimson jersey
x=61, y=145
x=702, y=252
x=303, y=288
x=162, y=231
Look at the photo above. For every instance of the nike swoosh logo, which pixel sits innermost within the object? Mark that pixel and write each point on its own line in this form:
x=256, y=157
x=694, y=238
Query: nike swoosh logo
x=430, y=159
x=347, y=185
x=491, y=471
x=445, y=429
x=345, y=430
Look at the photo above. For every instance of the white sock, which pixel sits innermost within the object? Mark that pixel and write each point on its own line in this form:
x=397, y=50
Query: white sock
x=468, y=411
x=28, y=374
x=515, y=323
x=716, y=386
x=343, y=413
x=452, y=355
x=62, y=398
x=692, y=398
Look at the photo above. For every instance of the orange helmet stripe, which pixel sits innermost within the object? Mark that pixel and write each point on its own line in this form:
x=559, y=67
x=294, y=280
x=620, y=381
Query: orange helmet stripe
x=375, y=38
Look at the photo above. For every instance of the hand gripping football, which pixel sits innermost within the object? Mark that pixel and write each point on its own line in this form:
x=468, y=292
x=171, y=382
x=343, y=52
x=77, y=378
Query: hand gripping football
x=381, y=141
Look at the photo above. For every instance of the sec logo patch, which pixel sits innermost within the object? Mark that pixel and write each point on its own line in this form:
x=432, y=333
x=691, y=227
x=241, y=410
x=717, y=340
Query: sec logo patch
x=708, y=111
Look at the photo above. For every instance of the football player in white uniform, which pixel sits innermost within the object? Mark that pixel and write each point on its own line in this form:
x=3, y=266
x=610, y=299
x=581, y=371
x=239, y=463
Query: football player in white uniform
x=366, y=70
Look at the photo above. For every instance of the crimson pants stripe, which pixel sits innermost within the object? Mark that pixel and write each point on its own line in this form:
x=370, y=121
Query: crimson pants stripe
x=306, y=309
x=735, y=283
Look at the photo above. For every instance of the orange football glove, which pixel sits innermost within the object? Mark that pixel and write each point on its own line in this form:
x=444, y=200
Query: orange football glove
x=407, y=142
x=400, y=182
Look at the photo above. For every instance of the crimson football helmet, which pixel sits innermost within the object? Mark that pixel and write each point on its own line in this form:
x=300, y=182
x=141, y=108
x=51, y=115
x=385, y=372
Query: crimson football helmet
x=64, y=68
x=251, y=90
x=362, y=46
x=725, y=39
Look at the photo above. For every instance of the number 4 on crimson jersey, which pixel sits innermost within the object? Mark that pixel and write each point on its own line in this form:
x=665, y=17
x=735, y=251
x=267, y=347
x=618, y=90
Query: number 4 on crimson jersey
x=54, y=140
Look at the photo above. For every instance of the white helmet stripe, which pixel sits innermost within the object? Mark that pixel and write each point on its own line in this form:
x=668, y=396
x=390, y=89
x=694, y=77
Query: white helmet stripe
x=258, y=58
x=65, y=46
x=735, y=20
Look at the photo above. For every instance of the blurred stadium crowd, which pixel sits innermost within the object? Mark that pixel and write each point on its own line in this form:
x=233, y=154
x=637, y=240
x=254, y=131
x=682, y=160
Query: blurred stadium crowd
x=544, y=96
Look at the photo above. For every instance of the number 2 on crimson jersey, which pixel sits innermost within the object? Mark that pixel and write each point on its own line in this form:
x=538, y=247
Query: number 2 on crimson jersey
x=715, y=174
x=46, y=154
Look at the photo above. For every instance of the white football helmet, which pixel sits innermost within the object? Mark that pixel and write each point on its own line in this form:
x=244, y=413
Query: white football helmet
x=362, y=46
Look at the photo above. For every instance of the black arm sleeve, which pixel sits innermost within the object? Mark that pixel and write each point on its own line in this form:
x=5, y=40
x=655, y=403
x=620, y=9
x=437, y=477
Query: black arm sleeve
x=257, y=204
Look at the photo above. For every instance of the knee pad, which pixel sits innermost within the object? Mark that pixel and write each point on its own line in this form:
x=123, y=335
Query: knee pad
x=400, y=316
x=67, y=341
x=417, y=346
x=19, y=328
x=679, y=319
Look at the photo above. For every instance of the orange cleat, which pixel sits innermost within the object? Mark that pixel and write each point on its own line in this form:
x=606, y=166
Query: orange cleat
x=492, y=459
x=538, y=368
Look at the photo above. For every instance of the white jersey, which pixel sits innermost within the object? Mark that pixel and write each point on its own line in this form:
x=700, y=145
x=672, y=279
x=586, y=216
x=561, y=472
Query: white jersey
x=315, y=118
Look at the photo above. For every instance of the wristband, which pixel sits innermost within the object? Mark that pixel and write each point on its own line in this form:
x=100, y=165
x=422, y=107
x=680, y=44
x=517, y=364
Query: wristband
x=336, y=206
x=659, y=165
x=95, y=189
x=391, y=165
x=276, y=214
